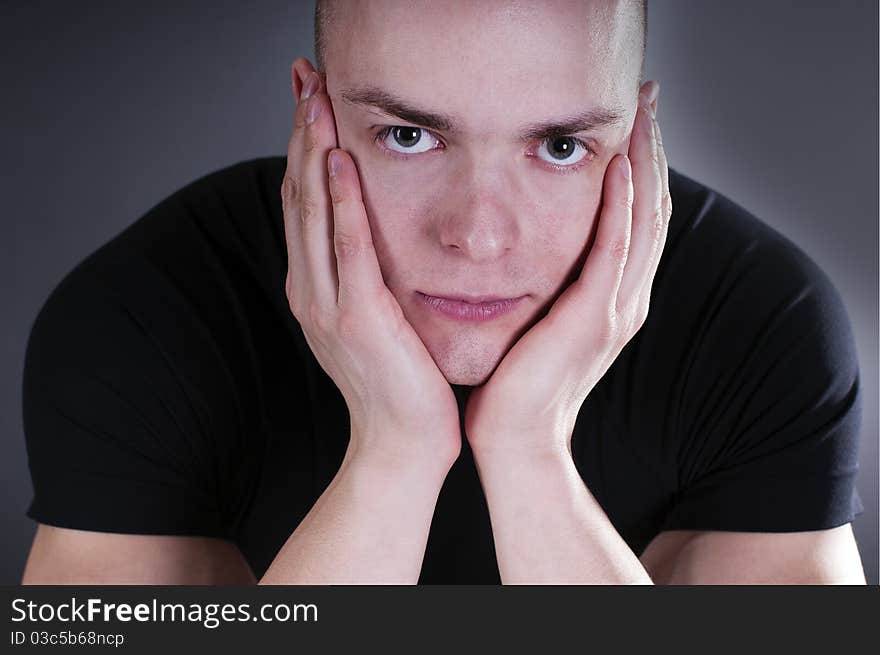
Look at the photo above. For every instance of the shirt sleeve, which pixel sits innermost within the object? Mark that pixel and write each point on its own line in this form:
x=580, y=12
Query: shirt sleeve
x=118, y=439
x=770, y=442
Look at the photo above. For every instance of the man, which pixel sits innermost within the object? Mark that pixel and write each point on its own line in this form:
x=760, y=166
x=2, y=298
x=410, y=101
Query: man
x=471, y=342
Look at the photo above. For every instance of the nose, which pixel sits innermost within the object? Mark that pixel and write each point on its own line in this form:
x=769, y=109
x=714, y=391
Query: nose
x=482, y=225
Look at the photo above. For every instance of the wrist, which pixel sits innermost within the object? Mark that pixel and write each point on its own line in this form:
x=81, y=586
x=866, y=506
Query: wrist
x=537, y=449
x=419, y=461
x=378, y=479
x=524, y=469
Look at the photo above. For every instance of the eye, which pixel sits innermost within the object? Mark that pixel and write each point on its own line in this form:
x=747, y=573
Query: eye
x=564, y=154
x=563, y=151
x=406, y=140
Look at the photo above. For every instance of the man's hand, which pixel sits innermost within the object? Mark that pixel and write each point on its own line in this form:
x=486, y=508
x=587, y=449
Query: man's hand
x=530, y=403
x=402, y=408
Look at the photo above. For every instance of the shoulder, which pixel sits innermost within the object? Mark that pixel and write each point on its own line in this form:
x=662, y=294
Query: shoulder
x=763, y=377
x=713, y=234
x=139, y=366
x=747, y=367
x=731, y=296
x=727, y=274
x=749, y=340
x=213, y=241
x=160, y=313
x=234, y=207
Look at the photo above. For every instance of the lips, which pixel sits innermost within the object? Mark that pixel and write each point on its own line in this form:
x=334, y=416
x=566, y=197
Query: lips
x=470, y=308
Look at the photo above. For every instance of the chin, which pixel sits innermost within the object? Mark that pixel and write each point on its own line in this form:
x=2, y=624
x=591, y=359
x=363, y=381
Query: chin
x=466, y=360
x=466, y=354
x=466, y=375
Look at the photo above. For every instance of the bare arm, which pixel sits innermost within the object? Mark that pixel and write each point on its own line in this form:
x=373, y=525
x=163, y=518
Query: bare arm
x=829, y=556
x=548, y=527
x=369, y=527
x=65, y=556
x=371, y=523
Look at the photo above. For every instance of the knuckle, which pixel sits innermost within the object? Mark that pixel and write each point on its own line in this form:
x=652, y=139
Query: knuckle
x=299, y=115
x=634, y=319
x=308, y=210
x=617, y=249
x=289, y=191
x=310, y=138
x=295, y=303
x=607, y=329
x=288, y=287
x=667, y=202
x=348, y=325
x=350, y=245
x=658, y=223
x=318, y=317
x=338, y=196
x=295, y=307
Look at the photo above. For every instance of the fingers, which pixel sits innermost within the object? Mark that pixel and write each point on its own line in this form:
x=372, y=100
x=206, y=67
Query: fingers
x=306, y=200
x=290, y=194
x=602, y=273
x=356, y=261
x=318, y=137
x=649, y=219
x=331, y=258
x=645, y=298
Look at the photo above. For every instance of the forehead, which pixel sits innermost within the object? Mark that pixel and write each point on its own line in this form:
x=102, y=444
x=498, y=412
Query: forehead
x=490, y=61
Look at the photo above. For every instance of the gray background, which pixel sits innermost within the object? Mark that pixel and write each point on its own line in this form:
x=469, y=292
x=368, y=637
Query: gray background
x=110, y=107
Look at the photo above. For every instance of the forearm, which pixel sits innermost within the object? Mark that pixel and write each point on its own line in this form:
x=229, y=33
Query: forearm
x=370, y=526
x=549, y=529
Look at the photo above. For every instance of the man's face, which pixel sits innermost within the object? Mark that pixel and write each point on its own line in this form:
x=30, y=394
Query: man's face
x=478, y=208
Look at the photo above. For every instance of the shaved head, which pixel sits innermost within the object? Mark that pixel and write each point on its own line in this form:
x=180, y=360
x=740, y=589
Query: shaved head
x=481, y=132
x=326, y=12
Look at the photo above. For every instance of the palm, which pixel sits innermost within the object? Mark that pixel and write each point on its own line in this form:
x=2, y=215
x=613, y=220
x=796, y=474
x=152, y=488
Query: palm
x=532, y=368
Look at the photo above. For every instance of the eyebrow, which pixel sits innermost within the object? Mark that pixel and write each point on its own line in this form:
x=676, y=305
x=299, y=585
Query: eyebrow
x=587, y=121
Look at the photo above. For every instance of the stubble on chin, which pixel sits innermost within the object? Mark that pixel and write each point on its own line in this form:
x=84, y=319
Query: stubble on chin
x=467, y=358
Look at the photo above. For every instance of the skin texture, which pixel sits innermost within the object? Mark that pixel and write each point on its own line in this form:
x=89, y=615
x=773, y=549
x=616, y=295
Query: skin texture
x=350, y=313
x=484, y=214
x=480, y=209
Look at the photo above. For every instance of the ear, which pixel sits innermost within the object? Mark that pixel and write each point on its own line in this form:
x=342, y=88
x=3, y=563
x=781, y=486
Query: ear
x=299, y=71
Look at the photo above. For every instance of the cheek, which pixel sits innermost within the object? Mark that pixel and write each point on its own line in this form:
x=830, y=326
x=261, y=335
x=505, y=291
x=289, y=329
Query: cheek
x=556, y=216
x=565, y=215
x=396, y=204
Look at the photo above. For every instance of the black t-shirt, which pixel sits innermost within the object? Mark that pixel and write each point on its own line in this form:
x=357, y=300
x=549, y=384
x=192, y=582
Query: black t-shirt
x=169, y=390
